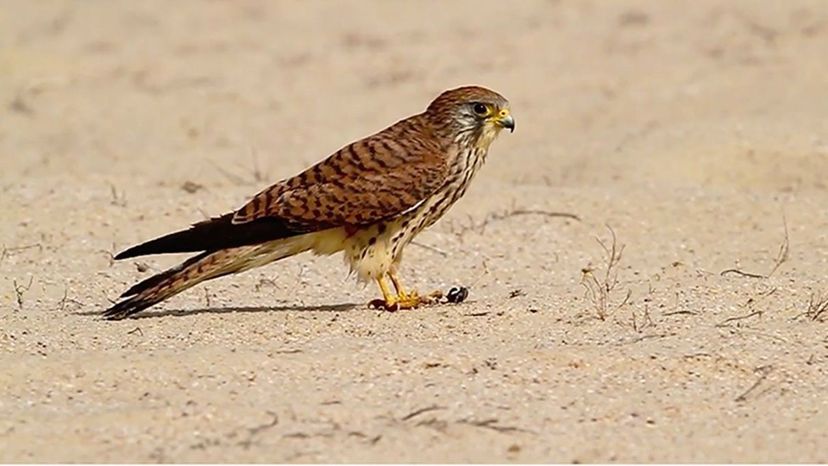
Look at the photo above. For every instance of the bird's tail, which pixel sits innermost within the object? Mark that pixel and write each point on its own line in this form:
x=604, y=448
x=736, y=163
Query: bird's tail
x=199, y=268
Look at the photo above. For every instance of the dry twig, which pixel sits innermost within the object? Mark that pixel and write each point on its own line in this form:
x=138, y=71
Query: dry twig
x=8, y=252
x=118, y=199
x=725, y=322
x=817, y=307
x=257, y=175
x=252, y=432
x=740, y=273
x=417, y=412
x=431, y=248
x=647, y=320
x=492, y=424
x=480, y=227
x=784, y=249
x=764, y=372
x=20, y=290
x=599, y=286
x=781, y=257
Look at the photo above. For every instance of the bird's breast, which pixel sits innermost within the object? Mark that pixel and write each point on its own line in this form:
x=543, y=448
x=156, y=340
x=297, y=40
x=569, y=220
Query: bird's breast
x=370, y=251
x=464, y=167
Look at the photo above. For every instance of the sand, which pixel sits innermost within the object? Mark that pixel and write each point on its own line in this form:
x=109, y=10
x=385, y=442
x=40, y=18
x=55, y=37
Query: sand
x=696, y=131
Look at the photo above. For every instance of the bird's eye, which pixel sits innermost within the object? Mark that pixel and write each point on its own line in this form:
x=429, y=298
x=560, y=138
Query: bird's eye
x=480, y=109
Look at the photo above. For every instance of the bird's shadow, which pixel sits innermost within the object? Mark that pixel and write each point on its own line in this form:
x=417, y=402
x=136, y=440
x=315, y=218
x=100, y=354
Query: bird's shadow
x=230, y=310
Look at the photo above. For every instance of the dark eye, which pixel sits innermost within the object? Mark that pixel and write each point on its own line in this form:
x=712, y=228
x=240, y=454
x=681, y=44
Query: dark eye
x=480, y=109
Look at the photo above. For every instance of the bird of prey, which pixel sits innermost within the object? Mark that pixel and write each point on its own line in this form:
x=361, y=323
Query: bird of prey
x=368, y=200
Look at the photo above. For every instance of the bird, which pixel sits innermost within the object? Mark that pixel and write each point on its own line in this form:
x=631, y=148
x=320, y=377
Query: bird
x=367, y=200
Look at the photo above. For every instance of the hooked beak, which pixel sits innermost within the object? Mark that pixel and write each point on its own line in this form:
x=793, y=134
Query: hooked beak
x=505, y=120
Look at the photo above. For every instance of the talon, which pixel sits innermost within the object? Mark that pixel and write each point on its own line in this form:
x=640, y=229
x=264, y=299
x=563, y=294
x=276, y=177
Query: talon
x=389, y=302
x=403, y=299
x=413, y=299
x=409, y=300
x=380, y=303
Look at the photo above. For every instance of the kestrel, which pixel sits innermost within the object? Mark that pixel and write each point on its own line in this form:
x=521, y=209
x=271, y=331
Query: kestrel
x=368, y=200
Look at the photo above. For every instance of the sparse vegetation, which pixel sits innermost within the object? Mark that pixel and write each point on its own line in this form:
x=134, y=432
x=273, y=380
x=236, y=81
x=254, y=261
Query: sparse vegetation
x=600, y=284
x=255, y=174
x=20, y=290
x=781, y=257
x=118, y=197
x=513, y=211
x=817, y=307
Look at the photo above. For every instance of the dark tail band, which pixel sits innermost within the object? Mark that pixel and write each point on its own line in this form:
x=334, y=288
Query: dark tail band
x=214, y=234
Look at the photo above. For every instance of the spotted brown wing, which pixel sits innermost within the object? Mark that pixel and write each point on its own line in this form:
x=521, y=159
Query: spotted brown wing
x=372, y=179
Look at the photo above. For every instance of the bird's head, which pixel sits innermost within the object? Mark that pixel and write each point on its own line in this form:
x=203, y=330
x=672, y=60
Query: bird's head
x=474, y=114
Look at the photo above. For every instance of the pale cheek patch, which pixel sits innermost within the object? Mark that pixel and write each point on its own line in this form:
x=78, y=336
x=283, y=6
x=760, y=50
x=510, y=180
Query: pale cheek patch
x=487, y=136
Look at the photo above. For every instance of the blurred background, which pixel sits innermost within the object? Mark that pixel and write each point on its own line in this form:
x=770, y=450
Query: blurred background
x=721, y=92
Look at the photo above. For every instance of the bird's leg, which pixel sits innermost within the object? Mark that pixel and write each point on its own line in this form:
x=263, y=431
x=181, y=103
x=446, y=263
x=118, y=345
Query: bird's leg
x=399, y=286
x=394, y=302
x=389, y=301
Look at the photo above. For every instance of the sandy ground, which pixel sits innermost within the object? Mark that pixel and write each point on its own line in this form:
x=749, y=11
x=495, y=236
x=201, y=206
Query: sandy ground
x=696, y=130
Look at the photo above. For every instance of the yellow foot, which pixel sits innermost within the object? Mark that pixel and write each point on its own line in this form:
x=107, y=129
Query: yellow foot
x=411, y=300
x=403, y=299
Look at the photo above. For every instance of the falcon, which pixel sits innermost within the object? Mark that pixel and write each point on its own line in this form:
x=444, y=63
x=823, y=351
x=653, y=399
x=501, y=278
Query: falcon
x=367, y=200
